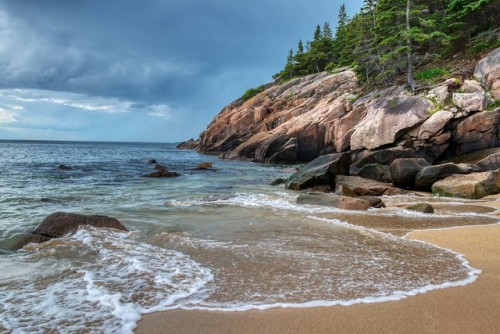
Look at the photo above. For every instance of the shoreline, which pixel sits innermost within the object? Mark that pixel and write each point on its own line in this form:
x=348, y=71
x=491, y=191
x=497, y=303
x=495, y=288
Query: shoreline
x=472, y=308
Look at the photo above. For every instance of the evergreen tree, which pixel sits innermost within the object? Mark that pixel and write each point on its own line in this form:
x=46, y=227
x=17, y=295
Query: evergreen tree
x=465, y=18
x=327, y=31
x=289, y=59
x=317, y=33
x=342, y=44
x=392, y=38
x=343, y=18
x=300, y=48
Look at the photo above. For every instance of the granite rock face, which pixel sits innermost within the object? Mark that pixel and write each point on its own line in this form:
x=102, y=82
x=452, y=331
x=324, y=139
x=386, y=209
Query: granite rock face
x=488, y=73
x=388, y=119
x=325, y=113
x=477, y=132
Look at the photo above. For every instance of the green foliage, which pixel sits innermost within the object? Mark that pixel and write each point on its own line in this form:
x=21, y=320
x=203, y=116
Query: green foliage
x=393, y=102
x=379, y=45
x=252, y=92
x=432, y=74
x=495, y=105
x=485, y=41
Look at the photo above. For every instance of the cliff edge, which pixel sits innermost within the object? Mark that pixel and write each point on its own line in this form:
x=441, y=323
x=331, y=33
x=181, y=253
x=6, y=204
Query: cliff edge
x=304, y=118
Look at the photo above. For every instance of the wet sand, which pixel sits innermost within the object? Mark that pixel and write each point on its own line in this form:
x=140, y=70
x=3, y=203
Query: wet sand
x=474, y=308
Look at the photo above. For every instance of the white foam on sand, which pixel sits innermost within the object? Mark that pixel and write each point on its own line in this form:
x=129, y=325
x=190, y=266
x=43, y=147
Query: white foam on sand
x=112, y=282
x=383, y=296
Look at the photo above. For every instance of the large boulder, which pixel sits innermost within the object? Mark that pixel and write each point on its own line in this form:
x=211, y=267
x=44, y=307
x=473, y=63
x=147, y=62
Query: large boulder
x=403, y=171
x=358, y=186
x=321, y=171
x=491, y=162
x=385, y=156
x=60, y=224
x=333, y=200
x=426, y=177
x=388, y=119
x=473, y=186
x=472, y=86
x=433, y=126
x=470, y=102
x=376, y=172
x=440, y=94
x=477, y=132
x=488, y=73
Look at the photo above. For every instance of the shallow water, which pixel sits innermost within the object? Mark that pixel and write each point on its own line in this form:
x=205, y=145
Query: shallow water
x=220, y=239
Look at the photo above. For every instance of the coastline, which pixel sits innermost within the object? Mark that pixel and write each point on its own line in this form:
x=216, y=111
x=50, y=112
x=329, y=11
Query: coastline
x=472, y=308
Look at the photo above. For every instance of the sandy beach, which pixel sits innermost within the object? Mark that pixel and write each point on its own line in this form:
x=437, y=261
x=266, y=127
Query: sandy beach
x=473, y=308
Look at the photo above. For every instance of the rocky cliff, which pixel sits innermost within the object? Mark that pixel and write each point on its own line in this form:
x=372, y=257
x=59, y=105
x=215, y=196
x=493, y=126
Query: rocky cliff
x=327, y=113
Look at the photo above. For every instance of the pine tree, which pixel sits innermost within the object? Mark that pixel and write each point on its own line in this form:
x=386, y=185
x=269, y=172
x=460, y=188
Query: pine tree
x=343, y=18
x=317, y=33
x=300, y=48
x=289, y=59
x=327, y=31
x=341, y=44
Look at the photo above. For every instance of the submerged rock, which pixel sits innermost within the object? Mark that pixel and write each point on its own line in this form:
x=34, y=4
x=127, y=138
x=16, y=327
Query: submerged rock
x=204, y=166
x=162, y=171
x=333, y=200
x=359, y=186
x=278, y=181
x=421, y=207
x=473, y=186
x=321, y=171
x=152, y=161
x=375, y=202
x=64, y=167
x=21, y=240
x=60, y=224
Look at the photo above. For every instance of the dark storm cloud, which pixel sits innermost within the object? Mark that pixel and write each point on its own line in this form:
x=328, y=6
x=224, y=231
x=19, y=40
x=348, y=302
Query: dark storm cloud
x=193, y=55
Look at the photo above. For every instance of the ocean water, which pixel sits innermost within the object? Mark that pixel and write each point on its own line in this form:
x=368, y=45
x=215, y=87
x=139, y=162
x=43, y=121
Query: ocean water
x=223, y=240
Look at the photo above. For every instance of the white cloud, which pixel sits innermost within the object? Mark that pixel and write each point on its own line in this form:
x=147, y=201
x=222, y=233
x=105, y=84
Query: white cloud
x=161, y=110
x=85, y=102
x=7, y=116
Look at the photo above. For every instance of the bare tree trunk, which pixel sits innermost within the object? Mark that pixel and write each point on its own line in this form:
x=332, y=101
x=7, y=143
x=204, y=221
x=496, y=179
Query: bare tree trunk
x=411, y=80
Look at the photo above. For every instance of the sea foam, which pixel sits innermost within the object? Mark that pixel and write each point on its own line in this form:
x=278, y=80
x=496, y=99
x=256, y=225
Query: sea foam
x=113, y=281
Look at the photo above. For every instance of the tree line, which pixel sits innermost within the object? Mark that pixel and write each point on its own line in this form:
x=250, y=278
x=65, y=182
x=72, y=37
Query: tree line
x=389, y=38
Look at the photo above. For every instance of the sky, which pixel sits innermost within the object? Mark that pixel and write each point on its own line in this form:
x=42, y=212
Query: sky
x=140, y=70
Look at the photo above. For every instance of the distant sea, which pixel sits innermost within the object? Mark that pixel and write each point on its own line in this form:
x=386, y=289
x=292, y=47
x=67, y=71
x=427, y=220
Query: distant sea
x=222, y=240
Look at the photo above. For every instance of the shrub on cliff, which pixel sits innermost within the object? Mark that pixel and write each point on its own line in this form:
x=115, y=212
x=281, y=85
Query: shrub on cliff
x=252, y=92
